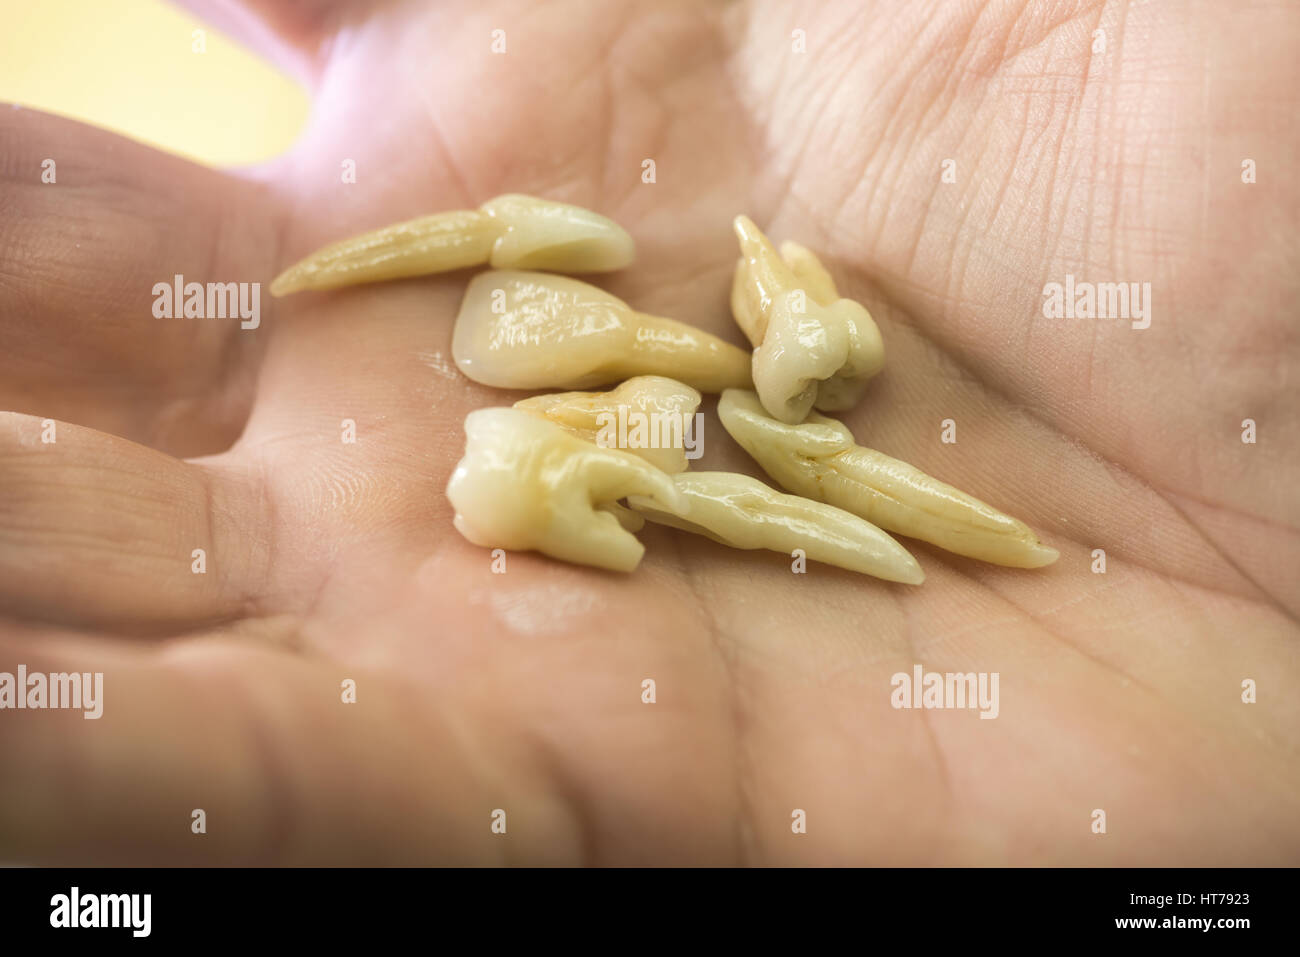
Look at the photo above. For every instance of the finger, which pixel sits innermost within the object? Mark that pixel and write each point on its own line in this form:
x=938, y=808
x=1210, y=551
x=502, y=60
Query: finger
x=290, y=35
x=264, y=746
x=94, y=226
x=96, y=530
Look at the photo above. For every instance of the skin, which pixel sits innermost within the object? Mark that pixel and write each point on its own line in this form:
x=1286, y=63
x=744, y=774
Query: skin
x=327, y=561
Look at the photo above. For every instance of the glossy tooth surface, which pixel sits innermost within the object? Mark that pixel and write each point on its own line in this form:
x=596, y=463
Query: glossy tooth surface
x=511, y=230
x=539, y=234
x=664, y=406
x=535, y=330
x=528, y=485
x=742, y=512
x=820, y=459
x=812, y=348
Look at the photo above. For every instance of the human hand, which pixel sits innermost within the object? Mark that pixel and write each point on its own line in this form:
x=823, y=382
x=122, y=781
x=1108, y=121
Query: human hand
x=477, y=691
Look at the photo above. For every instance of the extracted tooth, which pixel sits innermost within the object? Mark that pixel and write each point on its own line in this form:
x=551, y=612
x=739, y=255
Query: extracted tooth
x=742, y=512
x=527, y=484
x=534, y=330
x=540, y=234
x=511, y=230
x=812, y=348
x=651, y=416
x=819, y=459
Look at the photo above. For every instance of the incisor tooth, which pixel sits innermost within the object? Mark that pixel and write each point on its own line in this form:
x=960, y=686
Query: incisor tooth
x=819, y=459
x=742, y=512
x=657, y=414
x=511, y=230
x=812, y=348
x=533, y=330
x=527, y=484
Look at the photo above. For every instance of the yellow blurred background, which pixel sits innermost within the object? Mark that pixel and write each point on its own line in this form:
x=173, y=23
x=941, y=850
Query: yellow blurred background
x=131, y=66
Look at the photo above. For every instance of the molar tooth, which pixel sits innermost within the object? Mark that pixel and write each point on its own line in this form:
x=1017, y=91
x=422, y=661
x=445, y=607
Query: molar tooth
x=527, y=484
x=533, y=330
x=511, y=230
x=664, y=408
x=820, y=459
x=742, y=512
x=812, y=348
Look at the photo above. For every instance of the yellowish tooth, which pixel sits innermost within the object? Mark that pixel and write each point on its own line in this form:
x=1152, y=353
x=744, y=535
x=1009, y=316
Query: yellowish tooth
x=742, y=512
x=526, y=484
x=809, y=272
x=820, y=459
x=811, y=347
x=533, y=330
x=511, y=230
x=651, y=416
x=417, y=247
x=540, y=234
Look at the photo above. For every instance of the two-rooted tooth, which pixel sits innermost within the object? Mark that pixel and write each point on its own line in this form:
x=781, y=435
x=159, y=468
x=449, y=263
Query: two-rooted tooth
x=820, y=459
x=742, y=512
x=651, y=416
x=510, y=231
x=527, y=484
x=812, y=348
x=534, y=330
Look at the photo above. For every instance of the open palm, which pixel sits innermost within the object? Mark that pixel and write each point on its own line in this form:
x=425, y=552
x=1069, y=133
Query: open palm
x=328, y=560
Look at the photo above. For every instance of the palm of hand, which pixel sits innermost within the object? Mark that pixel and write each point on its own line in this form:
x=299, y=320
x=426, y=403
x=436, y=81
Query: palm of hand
x=523, y=691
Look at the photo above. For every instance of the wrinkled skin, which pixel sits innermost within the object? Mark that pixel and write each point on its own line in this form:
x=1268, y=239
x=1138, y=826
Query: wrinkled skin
x=477, y=691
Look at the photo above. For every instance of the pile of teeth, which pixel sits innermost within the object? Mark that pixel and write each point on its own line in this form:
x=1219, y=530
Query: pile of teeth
x=535, y=477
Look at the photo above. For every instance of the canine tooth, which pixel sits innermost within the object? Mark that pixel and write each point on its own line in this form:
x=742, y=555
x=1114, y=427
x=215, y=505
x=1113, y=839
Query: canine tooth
x=811, y=347
x=820, y=459
x=511, y=230
x=533, y=330
x=664, y=411
x=527, y=484
x=742, y=512
x=540, y=234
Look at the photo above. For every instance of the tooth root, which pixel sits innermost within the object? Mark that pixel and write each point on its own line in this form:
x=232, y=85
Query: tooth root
x=812, y=348
x=742, y=512
x=527, y=484
x=664, y=409
x=437, y=243
x=820, y=459
x=532, y=330
x=809, y=272
x=629, y=519
x=511, y=230
x=539, y=234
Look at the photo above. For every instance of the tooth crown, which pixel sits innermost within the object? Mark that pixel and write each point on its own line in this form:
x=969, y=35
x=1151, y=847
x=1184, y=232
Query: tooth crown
x=511, y=230
x=742, y=512
x=820, y=459
x=664, y=405
x=539, y=234
x=526, y=484
x=533, y=330
x=812, y=348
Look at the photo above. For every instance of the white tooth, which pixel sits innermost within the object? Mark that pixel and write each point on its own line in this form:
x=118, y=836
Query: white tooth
x=650, y=416
x=534, y=330
x=511, y=230
x=812, y=348
x=527, y=484
x=742, y=512
x=540, y=234
x=819, y=459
